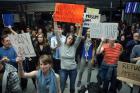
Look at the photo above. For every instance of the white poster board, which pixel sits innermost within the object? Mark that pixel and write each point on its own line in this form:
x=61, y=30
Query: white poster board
x=22, y=44
x=104, y=30
x=90, y=18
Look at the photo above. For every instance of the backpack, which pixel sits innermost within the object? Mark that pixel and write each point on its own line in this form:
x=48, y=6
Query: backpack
x=91, y=88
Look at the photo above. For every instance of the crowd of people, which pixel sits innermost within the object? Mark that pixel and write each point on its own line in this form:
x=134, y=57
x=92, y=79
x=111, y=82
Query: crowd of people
x=60, y=52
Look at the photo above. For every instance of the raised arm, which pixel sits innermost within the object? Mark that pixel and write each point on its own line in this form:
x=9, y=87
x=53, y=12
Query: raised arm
x=12, y=31
x=99, y=49
x=79, y=36
x=21, y=70
x=57, y=35
x=79, y=29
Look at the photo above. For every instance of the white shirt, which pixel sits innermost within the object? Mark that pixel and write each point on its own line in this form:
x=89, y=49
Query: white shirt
x=54, y=43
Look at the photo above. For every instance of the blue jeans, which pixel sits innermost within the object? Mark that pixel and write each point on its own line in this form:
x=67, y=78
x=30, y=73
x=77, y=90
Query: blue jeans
x=63, y=77
x=108, y=74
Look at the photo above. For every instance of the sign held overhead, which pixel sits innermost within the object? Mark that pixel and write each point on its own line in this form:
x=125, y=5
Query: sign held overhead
x=104, y=30
x=71, y=13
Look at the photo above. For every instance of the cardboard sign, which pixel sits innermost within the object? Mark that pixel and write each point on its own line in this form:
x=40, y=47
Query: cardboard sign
x=90, y=18
x=8, y=19
x=129, y=72
x=71, y=13
x=22, y=44
x=92, y=11
x=104, y=30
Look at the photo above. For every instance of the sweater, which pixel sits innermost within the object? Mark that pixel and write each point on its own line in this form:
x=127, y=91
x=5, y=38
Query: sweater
x=10, y=53
x=67, y=55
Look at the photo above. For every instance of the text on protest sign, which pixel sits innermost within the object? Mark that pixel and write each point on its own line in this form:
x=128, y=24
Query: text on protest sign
x=104, y=30
x=22, y=44
x=90, y=18
x=129, y=72
x=71, y=13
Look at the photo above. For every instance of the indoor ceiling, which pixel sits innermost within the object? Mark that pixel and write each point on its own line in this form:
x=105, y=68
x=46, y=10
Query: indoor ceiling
x=6, y=5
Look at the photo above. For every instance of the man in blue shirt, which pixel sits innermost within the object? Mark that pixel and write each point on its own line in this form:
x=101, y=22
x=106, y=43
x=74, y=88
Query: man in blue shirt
x=7, y=52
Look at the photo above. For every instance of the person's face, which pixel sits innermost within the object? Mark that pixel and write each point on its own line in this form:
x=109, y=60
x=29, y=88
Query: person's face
x=28, y=30
x=60, y=31
x=40, y=38
x=40, y=31
x=34, y=33
x=69, y=40
x=136, y=36
x=6, y=42
x=133, y=28
x=122, y=38
x=45, y=67
x=72, y=28
x=137, y=25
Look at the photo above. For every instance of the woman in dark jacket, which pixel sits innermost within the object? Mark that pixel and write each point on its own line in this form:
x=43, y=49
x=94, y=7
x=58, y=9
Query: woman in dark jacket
x=41, y=46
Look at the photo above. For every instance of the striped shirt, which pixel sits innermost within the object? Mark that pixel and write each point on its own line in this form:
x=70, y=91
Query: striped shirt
x=111, y=54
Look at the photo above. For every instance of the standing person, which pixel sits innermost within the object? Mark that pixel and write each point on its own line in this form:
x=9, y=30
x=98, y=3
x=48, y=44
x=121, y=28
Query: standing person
x=30, y=63
x=7, y=52
x=47, y=80
x=107, y=71
x=56, y=50
x=130, y=44
x=87, y=54
x=135, y=58
x=9, y=80
x=42, y=47
x=68, y=63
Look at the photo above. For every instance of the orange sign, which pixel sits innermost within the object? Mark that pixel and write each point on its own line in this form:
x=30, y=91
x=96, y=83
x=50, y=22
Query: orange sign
x=71, y=13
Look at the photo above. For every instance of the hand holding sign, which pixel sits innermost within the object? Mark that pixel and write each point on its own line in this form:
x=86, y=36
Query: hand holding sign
x=103, y=39
x=9, y=26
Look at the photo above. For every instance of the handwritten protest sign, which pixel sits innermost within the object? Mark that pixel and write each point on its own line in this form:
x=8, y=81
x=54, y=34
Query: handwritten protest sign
x=22, y=44
x=71, y=13
x=129, y=72
x=92, y=11
x=104, y=30
x=90, y=18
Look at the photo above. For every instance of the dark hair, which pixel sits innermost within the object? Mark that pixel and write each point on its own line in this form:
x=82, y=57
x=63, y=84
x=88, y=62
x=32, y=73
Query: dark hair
x=46, y=59
x=6, y=31
x=3, y=37
x=73, y=37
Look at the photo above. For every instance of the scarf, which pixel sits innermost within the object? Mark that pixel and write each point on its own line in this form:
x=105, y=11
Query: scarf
x=47, y=83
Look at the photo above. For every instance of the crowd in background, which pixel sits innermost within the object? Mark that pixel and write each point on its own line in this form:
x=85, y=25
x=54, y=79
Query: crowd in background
x=75, y=47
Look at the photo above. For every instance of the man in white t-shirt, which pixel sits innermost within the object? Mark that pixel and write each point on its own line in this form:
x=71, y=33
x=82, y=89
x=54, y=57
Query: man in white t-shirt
x=56, y=50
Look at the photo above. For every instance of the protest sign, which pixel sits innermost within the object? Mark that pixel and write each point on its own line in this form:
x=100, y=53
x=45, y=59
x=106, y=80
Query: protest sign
x=8, y=19
x=71, y=13
x=22, y=44
x=92, y=11
x=104, y=30
x=90, y=18
x=129, y=72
